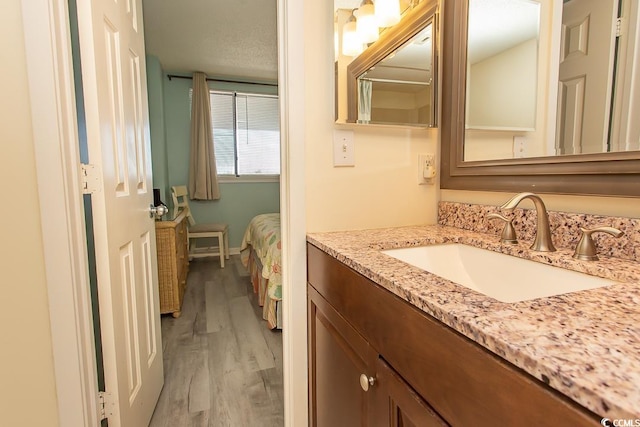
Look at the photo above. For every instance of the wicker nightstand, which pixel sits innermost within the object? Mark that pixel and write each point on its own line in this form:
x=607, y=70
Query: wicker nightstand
x=173, y=263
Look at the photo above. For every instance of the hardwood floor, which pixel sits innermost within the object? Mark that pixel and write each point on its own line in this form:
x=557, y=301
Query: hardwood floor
x=222, y=366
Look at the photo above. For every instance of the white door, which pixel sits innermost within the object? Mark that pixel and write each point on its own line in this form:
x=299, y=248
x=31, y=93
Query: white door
x=586, y=72
x=115, y=95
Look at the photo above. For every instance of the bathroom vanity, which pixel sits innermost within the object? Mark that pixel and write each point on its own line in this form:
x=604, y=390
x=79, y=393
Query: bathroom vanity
x=391, y=344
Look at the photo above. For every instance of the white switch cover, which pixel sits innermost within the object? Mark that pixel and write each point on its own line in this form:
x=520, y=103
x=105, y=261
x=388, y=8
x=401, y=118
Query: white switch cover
x=519, y=147
x=343, y=148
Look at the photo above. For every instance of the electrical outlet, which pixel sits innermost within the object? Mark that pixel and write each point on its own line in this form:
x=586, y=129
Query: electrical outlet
x=426, y=168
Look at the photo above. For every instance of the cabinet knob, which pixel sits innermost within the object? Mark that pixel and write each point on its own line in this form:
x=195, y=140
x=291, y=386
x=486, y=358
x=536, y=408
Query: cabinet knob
x=366, y=382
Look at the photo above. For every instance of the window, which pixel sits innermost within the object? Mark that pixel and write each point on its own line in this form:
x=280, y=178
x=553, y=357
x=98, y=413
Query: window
x=246, y=134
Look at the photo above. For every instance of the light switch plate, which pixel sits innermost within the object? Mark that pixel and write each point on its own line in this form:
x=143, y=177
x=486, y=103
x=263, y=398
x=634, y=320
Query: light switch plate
x=519, y=147
x=343, y=148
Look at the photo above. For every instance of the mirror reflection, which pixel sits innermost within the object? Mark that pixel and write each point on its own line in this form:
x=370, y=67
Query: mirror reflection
x=502, y=64
x=385, y=77
x=398, y=89
x=564, y=85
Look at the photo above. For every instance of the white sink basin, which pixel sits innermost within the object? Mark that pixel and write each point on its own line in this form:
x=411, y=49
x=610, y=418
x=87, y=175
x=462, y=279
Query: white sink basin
x=503, y=277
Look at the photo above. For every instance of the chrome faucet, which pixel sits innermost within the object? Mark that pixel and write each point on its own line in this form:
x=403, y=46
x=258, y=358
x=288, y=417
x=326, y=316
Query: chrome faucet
x=542, y=242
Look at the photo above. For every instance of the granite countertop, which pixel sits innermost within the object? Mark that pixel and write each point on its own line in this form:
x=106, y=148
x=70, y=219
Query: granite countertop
x=585, y=344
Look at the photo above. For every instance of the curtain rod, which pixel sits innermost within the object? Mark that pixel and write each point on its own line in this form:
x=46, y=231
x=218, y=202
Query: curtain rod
x=174, y=76
x=408, y=82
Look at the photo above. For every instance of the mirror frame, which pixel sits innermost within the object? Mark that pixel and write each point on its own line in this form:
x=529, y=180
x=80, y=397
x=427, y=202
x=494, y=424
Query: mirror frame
x=612, y=174
x=390, y=40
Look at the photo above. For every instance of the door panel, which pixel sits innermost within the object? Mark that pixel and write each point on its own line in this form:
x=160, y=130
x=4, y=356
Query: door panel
x=115, y=95
x=112, y=115
x=128, y=302
x=570, y=123
x=586, y=73
x=149, y=314
x=397, y=404
x=338, y=356
x=137, y=128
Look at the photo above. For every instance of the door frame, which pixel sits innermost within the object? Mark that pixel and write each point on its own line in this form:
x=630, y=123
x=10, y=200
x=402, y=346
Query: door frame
x=55, y=135
x=52, y=95
x=291, y=87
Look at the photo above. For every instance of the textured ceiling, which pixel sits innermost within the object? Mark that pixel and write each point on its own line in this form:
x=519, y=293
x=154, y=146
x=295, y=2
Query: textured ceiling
x=222, y=38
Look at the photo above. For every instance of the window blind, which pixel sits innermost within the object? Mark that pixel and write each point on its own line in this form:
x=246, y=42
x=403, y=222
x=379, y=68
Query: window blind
x=246, y=133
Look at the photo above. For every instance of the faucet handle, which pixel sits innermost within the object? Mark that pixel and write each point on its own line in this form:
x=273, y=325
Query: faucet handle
x=586, y=248
x=508, y=232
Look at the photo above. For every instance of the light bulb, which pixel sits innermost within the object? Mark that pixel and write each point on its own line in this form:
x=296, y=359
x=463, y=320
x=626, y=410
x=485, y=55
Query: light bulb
x=351, y=43
x=367, y=23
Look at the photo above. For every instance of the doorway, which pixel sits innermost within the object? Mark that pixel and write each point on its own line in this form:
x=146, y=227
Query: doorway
x=51, y=77
x=241, y=116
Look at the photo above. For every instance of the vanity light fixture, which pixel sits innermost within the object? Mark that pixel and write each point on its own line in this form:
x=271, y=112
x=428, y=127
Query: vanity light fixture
x=351, y=42
x=387, y=12
x=367, y=24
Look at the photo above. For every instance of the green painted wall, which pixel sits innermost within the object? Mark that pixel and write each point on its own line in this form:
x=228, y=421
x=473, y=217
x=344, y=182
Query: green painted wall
x=156, y=125
x=239, y=202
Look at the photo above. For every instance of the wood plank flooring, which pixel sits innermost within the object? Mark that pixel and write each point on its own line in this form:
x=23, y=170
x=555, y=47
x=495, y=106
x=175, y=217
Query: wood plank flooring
x=222, y=366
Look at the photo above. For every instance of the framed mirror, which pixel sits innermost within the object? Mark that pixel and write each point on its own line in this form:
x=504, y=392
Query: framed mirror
x=581, y=137
x=394, y=80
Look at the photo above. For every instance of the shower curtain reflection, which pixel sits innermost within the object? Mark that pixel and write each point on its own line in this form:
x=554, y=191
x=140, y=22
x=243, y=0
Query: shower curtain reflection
x=364, y=100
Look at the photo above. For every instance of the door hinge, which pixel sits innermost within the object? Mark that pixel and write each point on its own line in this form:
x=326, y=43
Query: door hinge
x=105, y=404
x=618, y=27
x=90, y=178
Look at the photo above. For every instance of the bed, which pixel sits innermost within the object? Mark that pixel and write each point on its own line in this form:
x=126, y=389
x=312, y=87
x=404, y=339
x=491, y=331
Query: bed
x=261, y=254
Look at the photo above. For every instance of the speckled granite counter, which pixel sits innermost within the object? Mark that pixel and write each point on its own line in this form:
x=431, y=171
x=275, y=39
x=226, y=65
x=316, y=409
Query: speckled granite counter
x=584, y=344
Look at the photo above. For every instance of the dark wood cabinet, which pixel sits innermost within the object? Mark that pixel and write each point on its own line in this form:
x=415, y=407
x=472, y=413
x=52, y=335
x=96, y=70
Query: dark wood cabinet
x=396, y=404
x=350, y=384
x=424, y=372
x=340, y=356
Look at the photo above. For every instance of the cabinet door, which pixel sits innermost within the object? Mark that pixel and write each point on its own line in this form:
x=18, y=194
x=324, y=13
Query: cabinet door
x=338, y=356
x=396, y=404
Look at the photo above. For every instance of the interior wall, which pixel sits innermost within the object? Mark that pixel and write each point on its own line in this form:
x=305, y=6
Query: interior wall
x=541, y=140
x=505, y=94
x=395, y=107
x=156, y=127
x=27, y=383
x=509, y=77
x=382, y=189
x=239, y=201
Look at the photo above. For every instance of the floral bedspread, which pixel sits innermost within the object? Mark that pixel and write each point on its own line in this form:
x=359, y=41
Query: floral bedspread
x=263, y=235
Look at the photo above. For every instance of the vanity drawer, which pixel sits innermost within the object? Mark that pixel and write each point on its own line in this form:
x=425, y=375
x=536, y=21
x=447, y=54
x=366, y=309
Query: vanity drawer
x=465, y=383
